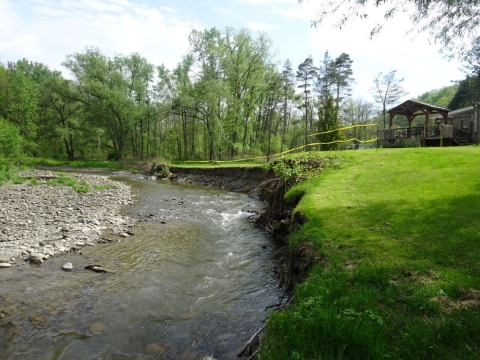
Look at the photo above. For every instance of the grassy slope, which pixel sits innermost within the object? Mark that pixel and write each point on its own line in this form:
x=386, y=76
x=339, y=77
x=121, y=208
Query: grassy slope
x=397, y=228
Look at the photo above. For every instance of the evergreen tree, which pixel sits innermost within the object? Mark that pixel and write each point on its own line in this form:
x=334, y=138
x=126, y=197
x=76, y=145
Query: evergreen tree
x=306, y=73
x=328, y=121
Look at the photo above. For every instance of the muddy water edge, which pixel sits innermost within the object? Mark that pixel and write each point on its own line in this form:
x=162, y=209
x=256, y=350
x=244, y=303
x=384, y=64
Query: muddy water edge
x=193, y=281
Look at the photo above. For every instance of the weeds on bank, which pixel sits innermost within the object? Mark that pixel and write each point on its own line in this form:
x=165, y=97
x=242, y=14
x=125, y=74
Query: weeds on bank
x=99, y=164
x=10, y=173
x=78, y=186
x=400, y=277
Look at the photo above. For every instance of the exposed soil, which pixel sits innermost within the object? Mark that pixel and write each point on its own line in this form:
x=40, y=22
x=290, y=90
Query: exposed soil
x=244, y=179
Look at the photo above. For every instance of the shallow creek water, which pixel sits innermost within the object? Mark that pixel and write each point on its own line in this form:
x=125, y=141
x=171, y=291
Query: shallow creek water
x=194, y=280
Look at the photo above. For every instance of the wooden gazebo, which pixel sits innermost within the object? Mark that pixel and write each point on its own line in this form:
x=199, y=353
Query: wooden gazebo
x=444, y=130
x=411, y=109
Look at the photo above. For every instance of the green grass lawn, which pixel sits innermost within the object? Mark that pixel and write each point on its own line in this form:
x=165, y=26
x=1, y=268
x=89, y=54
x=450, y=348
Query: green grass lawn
x=399, y=232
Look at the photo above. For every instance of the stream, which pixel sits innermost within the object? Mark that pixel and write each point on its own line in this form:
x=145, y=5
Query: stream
x=195, y=280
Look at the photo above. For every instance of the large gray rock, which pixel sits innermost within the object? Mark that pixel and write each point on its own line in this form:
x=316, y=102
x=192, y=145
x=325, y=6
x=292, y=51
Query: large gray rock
x=36, y=258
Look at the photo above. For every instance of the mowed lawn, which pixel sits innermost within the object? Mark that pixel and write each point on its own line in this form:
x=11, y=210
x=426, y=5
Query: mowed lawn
x=398, y=232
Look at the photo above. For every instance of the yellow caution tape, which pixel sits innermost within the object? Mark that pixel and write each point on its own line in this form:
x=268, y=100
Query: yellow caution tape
x=344, y=128
x=284, y=152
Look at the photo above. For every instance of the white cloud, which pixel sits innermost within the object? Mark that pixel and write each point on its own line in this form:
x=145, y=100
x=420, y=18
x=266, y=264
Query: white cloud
x=51, y=30
x=256, y=26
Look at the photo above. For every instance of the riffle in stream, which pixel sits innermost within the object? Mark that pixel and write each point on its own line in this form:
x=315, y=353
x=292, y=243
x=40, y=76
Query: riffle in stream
x=194, y=280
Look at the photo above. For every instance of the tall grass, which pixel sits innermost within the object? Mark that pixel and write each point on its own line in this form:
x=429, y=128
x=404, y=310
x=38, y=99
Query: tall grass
x=400, y=233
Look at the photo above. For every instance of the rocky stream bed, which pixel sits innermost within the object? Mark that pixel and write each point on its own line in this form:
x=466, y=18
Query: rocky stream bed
x=41, y=221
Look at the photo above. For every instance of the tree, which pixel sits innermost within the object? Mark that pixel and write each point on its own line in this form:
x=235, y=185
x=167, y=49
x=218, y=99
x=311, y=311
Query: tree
x=305, y=74
x=106, y=92
x=288, y=78
x=10, y=142
x=439, y=97
x=387, y=91
x=343, y=76
x=329, y=122
x=465, y=94
x=325, y=81
x=471, y=61
x=357, y=112
x=60, y=113
x=448, y=22
x=334, y=78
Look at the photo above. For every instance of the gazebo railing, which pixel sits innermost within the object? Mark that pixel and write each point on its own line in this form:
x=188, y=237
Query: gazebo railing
x=397, y=133
x=467, y=136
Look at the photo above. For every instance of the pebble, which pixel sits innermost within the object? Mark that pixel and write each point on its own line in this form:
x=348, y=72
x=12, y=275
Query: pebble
x=67, y=266
x=24, y=233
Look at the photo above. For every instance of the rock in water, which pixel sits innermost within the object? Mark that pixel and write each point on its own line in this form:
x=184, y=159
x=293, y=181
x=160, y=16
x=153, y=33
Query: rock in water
x=67, y=266
x=36, y=258
x=5, y=265
x=97, y=268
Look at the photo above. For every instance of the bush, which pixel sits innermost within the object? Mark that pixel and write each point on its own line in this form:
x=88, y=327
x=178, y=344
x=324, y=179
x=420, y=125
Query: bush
x=160, y=168
x=298, y=168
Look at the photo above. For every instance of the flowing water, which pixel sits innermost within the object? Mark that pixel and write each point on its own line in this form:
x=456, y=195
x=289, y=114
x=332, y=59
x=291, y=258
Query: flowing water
x=194, y=280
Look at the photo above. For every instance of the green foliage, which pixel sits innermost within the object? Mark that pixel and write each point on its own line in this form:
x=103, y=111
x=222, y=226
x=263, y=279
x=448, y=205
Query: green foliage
x=77, y=186
x=160, y=168
x=10, y=173
x=297, y=168
x=34, y=181
x=398, y=237
x=439, y=97
x=10, y=143
x=328, y=122
x=466, y=93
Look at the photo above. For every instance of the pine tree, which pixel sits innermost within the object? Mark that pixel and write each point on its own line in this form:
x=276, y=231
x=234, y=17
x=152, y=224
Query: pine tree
x=305, y=75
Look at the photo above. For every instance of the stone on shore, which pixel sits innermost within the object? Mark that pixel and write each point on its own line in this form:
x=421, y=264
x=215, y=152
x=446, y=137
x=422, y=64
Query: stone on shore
x=36, y=258
x=5, y=265
x=49, y=220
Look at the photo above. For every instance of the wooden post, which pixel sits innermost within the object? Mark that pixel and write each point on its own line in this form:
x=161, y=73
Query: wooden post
x=441, y=135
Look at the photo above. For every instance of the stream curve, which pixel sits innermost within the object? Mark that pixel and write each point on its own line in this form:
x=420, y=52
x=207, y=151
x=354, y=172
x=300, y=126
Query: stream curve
x=193, y=281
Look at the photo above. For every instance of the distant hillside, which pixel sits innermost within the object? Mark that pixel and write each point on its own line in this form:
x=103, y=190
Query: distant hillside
x=439, y=97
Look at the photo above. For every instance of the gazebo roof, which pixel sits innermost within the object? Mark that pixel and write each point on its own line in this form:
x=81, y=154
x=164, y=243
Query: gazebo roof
x=410, y=107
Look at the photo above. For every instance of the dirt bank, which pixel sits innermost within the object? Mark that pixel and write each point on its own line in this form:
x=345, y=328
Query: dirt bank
x=241, y=179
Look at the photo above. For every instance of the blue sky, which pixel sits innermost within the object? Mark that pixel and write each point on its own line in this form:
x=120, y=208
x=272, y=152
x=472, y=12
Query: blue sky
x=48, y=30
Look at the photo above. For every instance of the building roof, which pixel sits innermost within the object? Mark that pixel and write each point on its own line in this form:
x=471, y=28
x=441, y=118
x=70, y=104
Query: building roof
x=466, y=111
x=411, y=107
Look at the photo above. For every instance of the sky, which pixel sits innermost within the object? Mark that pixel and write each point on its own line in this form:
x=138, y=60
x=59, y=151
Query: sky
x=48, y=30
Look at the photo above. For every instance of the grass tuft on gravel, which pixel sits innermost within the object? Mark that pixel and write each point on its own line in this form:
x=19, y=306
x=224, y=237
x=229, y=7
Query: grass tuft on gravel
x=399, y=234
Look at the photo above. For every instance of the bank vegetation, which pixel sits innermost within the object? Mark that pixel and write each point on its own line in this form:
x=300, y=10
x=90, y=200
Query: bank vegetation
x=394, y=259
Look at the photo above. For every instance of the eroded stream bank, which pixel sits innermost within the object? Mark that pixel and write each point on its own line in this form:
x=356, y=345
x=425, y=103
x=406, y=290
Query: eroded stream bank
x=193, y=281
